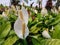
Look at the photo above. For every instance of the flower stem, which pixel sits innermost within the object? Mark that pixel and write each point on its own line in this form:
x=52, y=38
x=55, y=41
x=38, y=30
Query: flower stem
x=24, y=42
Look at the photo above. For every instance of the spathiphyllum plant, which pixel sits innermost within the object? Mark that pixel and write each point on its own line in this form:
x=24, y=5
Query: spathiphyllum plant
x=38, y=28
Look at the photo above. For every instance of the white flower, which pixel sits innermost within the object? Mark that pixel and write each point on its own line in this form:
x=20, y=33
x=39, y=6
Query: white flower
x=44, y=11
x=54, y=10
x=20, y=25
x=46, y=34
x=25, y=15
x=4, y=14
x=34, y=10
x=59, y=8
x=18, y=29
x=52, y=29
x=13, y=7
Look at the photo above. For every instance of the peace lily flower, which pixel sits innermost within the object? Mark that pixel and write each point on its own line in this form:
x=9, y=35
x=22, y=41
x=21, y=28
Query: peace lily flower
x=13, y=7
x=5, y=13
x=59, y=8
x=52, y=29
x=36, y=11
x=25, y=15
x=20, y=25
x=44, y=11
x=46, y=34
x=54, y=10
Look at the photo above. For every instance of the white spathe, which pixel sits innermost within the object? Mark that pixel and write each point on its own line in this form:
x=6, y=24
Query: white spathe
x=45, y=34
x=4, y=15
x=44, y=11
x=54, y=10
x=59, y=8
x=18, y=29
x=25, y=15
x=19, y=22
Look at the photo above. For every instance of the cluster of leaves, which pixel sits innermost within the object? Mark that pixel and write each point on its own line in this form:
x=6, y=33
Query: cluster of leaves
x=40, y=23
x=7, y=36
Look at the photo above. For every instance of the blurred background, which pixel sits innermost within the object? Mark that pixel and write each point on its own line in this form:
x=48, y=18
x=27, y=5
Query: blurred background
x=48, y=4
x=28, y=2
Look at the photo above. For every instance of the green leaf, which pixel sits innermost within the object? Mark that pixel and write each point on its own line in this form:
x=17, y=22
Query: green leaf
x=56, y=20
x=1, y=41
x=10, y=40
x=5, y=30
x=56, y=32
x=12, y=17
x=11, y=33
x=52, y=42
x=35, y=41
x=35, y=29
x=32, y=23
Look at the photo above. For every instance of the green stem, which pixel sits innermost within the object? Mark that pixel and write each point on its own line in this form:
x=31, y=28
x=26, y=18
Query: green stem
x=25, y=42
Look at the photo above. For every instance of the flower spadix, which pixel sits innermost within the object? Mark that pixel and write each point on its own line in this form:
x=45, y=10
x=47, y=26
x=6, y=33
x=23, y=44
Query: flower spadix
x=20, y=25
x=45, y=34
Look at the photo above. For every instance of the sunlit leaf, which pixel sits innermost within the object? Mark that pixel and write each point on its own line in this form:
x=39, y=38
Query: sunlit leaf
x=11, y=40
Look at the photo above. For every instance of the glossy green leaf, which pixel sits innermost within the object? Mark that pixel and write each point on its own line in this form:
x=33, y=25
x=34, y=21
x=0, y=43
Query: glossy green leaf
x=10, y=40
x=6, y=30
x=35, y=42
x=1, y=41
x=56, y=32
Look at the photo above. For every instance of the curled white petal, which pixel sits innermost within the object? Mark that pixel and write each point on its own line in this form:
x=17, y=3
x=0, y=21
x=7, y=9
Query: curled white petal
x=46, y=34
